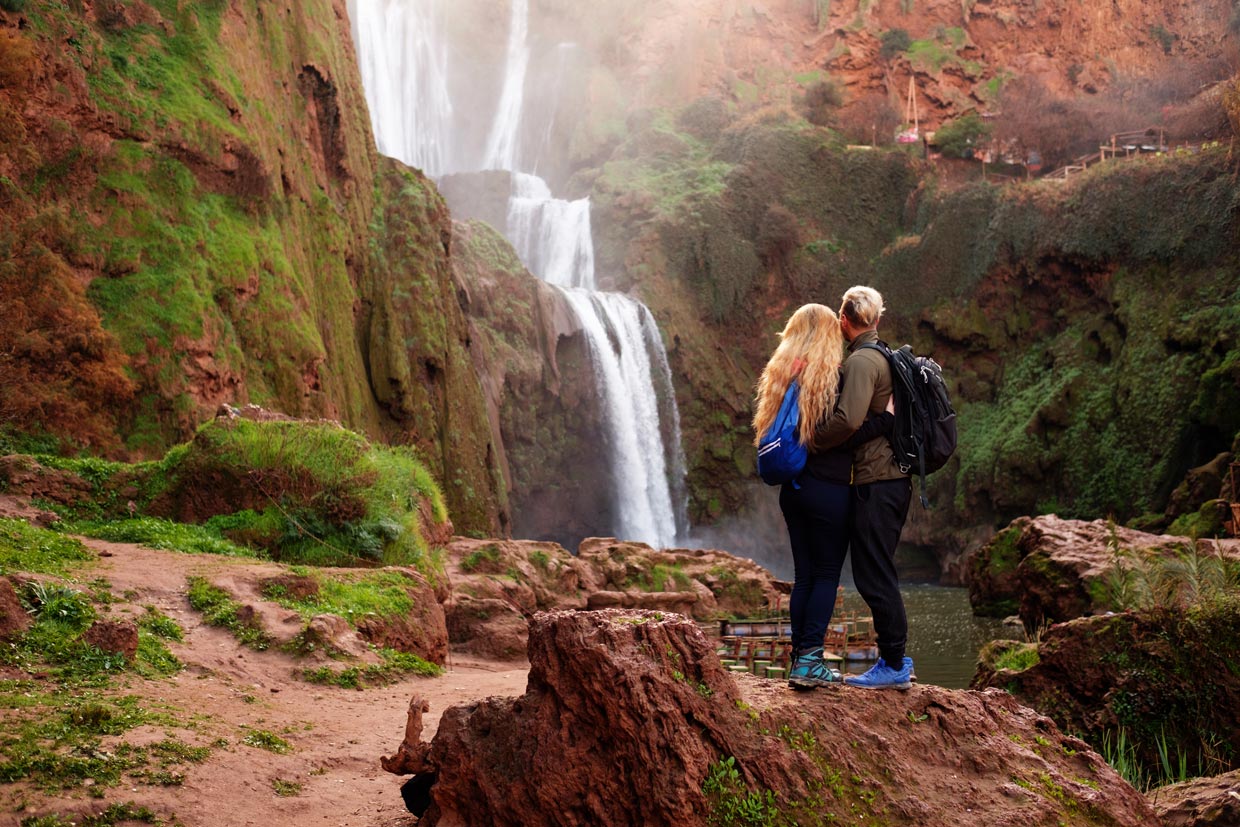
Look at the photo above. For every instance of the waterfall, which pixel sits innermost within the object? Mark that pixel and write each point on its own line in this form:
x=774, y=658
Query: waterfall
x=405, y=68
x=403, y=57
x=506, y=129
x=552, y=236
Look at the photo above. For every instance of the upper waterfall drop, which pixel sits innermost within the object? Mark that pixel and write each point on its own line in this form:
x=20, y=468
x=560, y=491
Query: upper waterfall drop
x=408, y=73
x=505, y=138
x=403, y=57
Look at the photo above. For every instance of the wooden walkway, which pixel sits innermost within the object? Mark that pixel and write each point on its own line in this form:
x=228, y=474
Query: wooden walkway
x=763, y=646
x=1121, y=145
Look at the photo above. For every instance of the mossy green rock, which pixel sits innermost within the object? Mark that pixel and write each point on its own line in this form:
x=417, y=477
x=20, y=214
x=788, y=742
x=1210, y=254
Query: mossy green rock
x=1165, y=676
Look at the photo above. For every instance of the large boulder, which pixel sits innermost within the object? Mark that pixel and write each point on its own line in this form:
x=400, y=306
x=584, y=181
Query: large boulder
x=630, y=719
x=1201, y=802
x=498, y=584
x=1165, y=677
x=724, y=585
x=1051, y=570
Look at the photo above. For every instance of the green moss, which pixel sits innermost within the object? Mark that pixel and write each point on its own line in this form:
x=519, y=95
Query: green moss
x=383, y=594
x=113, y=815
x=153, y=532
x=396, y=665
x=266, y=740
x=219, y=609
x=658, y=577
x=25, y=548
x=1018, y=658
x=485, y=559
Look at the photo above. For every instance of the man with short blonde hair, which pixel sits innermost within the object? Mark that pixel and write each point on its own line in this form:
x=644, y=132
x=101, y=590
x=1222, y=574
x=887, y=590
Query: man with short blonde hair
x=881, y=490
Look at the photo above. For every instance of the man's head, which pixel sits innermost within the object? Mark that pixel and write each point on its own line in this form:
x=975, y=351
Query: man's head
x=860, y=311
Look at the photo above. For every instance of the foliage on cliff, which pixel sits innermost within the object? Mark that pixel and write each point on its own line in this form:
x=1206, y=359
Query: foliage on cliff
x=725, y=224
x=1090, y=327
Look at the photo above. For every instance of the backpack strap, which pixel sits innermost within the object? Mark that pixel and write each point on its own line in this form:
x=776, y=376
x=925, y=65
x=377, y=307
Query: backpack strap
x=885, y=349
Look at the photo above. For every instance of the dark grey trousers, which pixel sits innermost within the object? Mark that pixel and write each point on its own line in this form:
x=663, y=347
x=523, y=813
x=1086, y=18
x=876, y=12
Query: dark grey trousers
x=879, y=510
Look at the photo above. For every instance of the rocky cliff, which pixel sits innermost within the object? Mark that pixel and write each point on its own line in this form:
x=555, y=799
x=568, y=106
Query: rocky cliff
x=193, y=212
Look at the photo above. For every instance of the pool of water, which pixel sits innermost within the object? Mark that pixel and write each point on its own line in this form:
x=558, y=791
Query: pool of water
x=943, y=635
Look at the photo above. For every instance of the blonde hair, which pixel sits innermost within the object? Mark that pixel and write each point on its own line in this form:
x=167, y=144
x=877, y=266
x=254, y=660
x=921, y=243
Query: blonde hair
x=863, y=306
x=810, y=349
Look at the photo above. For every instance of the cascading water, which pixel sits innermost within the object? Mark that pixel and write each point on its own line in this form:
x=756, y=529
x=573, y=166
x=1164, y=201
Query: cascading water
x=553, y=238
x=403, y=58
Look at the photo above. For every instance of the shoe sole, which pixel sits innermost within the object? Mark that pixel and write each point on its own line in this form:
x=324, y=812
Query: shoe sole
x=807, y=683
x=903, y=687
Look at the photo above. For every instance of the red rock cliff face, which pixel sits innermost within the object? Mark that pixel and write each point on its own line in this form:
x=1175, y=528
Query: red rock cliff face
x=193, y=212
x=629, y=719
x=768, y=51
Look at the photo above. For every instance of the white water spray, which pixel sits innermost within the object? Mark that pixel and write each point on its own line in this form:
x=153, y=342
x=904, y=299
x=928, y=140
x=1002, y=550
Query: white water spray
x=506, y=129
x=413, y=117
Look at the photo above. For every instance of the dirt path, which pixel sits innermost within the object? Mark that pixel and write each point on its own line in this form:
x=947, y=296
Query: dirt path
x=227, y=692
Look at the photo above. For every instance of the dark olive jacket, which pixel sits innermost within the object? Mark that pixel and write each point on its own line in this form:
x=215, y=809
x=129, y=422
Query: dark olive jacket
x=866, y=378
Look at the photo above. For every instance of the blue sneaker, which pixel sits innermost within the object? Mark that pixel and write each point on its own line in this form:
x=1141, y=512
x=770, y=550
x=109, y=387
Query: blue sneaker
x=882, y=676
x=809, y=670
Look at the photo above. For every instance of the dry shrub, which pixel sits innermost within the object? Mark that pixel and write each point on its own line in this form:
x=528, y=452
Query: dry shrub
x=1063, y=128
x=779, y=234
x=871, y=119
x=822, y=100
x=1231, y=104
x=1035, y=119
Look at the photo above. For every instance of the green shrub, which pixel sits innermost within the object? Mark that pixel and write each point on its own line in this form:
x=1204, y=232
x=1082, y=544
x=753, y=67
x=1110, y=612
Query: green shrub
x=1165, y=38
x=821, y=102
x=1018, y=658
x=219, y=609
x=959, y=138
x=894, y=42
x=13, y=5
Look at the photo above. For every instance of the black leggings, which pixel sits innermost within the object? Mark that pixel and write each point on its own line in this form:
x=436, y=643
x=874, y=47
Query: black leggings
x=817, y=518
x=879, y=510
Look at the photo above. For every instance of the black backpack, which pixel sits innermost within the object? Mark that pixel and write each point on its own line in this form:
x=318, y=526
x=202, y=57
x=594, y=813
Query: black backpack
x=924, y=436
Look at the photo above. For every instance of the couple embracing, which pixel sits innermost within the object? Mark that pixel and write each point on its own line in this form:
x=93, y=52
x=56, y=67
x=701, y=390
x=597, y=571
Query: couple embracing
x=852, y=494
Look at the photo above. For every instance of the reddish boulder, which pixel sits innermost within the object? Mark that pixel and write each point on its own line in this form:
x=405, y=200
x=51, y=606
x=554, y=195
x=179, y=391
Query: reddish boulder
x=1051, y=570
x=422, y=632
x=23, y=476
x=1201, y=802
x=629, y=719
x=498, y=584
x=20, y=508
x=114, y=637
x=724, y=585
x=14, y=621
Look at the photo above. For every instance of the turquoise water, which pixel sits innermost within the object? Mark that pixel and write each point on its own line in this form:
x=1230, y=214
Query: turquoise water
x=943, y=635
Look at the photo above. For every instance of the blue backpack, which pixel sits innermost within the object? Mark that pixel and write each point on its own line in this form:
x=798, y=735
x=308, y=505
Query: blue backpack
x=781, y=456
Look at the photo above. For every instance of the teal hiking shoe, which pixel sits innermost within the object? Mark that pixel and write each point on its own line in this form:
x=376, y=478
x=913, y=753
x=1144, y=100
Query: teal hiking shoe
x=809, y=670
x=882, y=676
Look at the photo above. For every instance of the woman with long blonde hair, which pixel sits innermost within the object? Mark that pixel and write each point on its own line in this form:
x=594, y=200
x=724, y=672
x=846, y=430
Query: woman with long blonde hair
x=816, y=504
